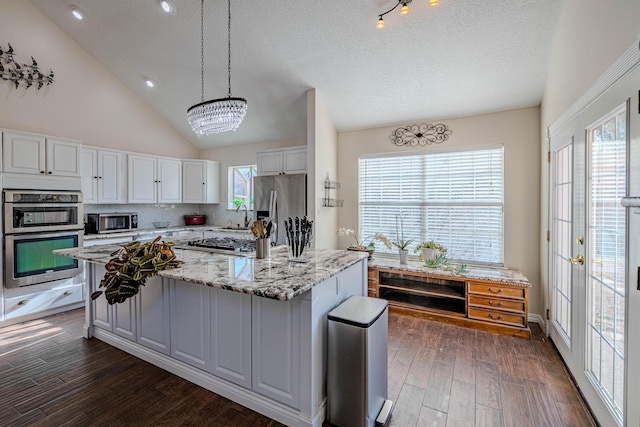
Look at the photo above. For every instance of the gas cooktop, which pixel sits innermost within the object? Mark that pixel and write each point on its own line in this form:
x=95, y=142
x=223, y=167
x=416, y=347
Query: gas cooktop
x=223, y=245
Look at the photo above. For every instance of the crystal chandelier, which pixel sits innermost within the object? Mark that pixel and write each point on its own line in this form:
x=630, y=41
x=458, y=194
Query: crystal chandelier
x=403, y=10
x=217, y=115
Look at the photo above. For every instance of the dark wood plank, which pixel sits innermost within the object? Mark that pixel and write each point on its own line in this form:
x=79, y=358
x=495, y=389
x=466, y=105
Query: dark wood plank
x=543, y=407
x=488, y=385
x=420, y=370
x=448, y=344
x=488, y=417
x=431, y=418
x=438, y=389
x=464, y=367
x=407, y=408
x=462, y=406
x=515, y=405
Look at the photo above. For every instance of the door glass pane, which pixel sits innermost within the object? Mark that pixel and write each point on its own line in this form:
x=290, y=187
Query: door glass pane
x=606, y=259
x=562, y=225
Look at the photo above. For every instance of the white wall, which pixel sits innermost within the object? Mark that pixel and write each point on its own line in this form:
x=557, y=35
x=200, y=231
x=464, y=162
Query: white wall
x=85, y=102
x=518, y=130
x=322, y=140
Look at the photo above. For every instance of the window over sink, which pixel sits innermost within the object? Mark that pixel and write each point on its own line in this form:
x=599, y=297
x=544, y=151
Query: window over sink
x=455, y=198
x=240, y=184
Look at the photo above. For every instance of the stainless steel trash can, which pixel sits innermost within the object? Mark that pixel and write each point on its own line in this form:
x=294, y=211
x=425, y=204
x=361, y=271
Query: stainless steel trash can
x=357, y=363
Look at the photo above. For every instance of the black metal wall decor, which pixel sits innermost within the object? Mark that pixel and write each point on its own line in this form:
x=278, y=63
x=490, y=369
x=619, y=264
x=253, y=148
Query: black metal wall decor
x=30, y=74
x=422, y=134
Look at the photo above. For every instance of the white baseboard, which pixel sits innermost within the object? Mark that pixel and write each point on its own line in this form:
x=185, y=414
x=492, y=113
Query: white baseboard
x=536, y=318
x=241, y=395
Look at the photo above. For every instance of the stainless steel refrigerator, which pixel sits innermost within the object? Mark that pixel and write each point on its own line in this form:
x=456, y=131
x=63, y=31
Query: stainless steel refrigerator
x=279, y=197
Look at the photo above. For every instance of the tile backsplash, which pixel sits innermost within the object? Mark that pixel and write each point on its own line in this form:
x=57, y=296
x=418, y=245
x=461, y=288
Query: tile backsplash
x=147, y=214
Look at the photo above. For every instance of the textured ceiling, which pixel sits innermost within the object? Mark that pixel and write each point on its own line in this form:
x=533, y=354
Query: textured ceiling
x=462, y=58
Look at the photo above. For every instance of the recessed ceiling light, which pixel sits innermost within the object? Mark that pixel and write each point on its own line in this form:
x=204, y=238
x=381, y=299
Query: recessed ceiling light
x=78, y=13
x=167, y=6
x=150, y=82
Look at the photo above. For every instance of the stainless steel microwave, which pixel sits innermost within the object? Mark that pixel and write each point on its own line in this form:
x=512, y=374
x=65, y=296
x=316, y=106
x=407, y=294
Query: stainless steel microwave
x=99, y=223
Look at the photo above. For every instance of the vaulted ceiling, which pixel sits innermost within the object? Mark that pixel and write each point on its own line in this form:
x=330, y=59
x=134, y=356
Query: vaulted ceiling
x=464, y=57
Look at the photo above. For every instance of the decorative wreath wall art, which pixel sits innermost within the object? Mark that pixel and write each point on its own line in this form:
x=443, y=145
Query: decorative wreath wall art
x=422, y=134
x=30, y=74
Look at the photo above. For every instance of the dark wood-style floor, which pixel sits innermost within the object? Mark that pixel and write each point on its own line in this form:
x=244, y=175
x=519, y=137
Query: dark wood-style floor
x=439, y=375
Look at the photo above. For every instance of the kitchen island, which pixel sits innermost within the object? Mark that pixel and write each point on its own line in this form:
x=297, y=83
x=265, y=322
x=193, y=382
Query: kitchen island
x=251, y=330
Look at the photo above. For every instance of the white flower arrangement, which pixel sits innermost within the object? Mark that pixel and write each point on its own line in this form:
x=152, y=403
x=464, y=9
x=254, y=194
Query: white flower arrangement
x=362, y=243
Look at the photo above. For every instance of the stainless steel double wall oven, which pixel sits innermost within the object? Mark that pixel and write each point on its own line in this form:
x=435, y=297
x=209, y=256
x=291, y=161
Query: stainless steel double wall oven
x=36, y=223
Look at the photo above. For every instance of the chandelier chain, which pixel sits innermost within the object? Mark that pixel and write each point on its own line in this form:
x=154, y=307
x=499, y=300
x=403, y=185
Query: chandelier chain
x=202, y=51
x=229, y=47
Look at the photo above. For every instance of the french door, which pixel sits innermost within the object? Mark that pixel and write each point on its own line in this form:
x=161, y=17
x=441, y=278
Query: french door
x=589, y=259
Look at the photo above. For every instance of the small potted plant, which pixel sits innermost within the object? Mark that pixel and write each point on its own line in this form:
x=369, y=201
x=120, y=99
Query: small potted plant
x=429, y=250
x=400, y=242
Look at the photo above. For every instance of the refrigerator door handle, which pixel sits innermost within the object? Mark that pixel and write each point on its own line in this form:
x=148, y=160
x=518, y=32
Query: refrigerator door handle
x=273, y=197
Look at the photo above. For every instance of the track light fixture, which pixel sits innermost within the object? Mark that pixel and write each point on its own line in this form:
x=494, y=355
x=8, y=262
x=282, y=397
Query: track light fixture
x=404, y=9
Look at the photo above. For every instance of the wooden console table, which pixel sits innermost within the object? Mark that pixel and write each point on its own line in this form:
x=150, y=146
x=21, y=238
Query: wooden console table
x=489, y=299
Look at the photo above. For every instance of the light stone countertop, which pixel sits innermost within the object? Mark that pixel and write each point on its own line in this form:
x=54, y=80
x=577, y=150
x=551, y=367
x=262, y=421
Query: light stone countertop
x=494, y=274
x=273, y=277
x=174, y=229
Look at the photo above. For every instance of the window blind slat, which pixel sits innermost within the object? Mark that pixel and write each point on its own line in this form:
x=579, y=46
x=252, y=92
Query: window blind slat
x=454, y=198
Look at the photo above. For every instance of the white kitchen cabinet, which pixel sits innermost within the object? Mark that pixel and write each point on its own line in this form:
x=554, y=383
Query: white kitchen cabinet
x=102, y=177
x=190, y=324
x=279, y=162
x=200, y=181
x=38, y=155
x=42, y=301
x=154, y=327
x=231, y=336
x=102, y=311
x=153, y=179
x=124, y=319
x=276, y=350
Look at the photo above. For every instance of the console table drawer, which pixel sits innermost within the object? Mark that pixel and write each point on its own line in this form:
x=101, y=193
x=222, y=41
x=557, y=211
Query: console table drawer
x=494, y=303
x=502, y=291
x=496, y=316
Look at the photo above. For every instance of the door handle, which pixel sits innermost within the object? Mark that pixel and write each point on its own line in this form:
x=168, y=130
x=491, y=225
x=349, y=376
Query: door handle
x=577, y=260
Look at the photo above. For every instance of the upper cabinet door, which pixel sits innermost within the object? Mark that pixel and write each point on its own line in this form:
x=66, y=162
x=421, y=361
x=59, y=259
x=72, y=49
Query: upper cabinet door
x=141, y=179
x=169, y=181
x=200, y=181
x=193, y=182
x=270, y=163
x=63, y=158
x=294, y=161
x=109, y=176
x=89, y=165
x=23, y=153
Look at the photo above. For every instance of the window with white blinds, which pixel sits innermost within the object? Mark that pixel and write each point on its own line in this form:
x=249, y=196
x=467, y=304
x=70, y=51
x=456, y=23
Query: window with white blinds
x=455, y=198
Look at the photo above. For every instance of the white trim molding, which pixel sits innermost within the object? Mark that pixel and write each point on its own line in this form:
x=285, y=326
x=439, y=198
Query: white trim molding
x=536, y=318
x=623, y=65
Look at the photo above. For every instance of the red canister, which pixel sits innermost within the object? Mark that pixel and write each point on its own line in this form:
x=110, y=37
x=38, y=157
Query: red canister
x=195, y=219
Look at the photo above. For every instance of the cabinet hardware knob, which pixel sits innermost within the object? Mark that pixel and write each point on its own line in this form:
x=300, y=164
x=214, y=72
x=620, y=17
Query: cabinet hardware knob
x=496, y=292
x=95, y=177
x=99, y=177
x=41, y=171
x=23, y=302
x=67, y=293
x=49, y=172
x=577, y=260
x=498, y=318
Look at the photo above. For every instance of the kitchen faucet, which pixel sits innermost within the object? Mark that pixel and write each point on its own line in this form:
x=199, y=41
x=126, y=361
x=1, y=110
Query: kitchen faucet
x=246, y=219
